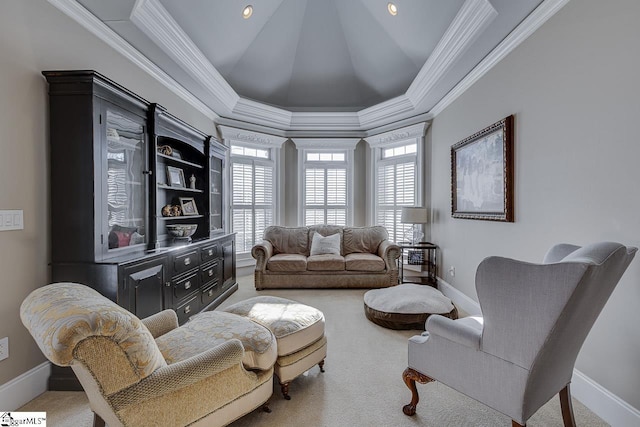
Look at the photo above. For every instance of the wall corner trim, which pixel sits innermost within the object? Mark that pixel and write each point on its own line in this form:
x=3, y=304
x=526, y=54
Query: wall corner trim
x=599, y=400
x=25, y=387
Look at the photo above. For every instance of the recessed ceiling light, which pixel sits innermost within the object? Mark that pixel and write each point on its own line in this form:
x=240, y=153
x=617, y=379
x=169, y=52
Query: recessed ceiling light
x=247, y=12
x=393, y=9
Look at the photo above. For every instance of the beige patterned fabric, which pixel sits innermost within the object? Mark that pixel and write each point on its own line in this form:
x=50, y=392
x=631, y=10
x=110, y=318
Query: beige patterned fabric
x=294, y=325
x=363, y=239
x=288, y=240
x=364, y=262
x=326, y=262
x=212, y=328
x=58, y=323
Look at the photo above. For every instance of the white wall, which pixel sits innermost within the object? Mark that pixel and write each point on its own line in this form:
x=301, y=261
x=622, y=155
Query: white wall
x=574, y=90
x=34, y=36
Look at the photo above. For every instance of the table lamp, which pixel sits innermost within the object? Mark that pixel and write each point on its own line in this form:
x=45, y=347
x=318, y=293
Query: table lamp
x=414, y=215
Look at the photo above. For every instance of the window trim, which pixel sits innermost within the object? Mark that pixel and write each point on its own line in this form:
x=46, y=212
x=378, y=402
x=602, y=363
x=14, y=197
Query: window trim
x=326, y=145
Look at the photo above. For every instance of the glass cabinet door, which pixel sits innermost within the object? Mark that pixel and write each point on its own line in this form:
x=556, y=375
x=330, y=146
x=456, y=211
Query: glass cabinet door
x=215, y=223
x=126, y=188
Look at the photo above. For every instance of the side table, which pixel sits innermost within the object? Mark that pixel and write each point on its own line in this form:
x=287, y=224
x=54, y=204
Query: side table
x=417, y=263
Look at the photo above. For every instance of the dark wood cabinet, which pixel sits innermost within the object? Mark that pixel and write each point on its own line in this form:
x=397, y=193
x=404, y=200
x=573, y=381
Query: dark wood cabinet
x=117, y=163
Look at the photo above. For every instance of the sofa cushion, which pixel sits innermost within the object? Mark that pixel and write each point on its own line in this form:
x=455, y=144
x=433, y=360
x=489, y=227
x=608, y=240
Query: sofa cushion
x=325, y=262
x=288, y=240
x=363, y=239
x=364, y=262
x=287, y=262
x=206, y=330
x=321, y=245
x=326, y=230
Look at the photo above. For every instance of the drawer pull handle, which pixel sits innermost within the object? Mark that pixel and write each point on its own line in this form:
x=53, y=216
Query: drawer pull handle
x=210, y=252
x=167, y=284
x=187, y=309
x=187, y=261
x=210, y=272
x=210, y=293
x=187, y=285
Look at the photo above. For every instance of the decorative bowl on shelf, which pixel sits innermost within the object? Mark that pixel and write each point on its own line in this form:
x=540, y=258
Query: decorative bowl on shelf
x=181, y=230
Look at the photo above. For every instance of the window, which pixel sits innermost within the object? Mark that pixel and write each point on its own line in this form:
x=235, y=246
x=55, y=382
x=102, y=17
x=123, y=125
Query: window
x=397, y=177
x=325, y=181
x=252, y=201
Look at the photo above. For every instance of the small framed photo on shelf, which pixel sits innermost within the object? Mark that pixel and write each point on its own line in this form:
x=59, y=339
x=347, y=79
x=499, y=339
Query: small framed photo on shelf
x=175, y=177
x=188, y=205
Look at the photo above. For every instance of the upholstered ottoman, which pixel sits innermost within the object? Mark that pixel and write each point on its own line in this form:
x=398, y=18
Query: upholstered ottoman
x=406, y=306
x=299, y=333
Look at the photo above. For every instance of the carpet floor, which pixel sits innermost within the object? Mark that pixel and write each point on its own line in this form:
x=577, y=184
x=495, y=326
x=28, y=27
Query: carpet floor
x=362, y=385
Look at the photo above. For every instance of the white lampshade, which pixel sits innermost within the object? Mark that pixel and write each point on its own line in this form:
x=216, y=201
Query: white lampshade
x=414, y=215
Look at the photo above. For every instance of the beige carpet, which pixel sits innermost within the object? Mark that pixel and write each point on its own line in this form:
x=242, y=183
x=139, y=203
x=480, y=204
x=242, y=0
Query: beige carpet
x=362, y=385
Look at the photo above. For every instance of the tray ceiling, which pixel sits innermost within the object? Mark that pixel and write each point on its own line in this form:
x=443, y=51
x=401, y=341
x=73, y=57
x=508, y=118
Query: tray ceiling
x=311, y=64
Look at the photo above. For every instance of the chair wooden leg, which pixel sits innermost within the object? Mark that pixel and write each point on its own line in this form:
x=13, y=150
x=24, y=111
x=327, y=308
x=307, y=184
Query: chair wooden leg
x=410, y=377
x=97, y=420
x=284, y=388
x=321, y=365
x=515, y=424
x=567, y=407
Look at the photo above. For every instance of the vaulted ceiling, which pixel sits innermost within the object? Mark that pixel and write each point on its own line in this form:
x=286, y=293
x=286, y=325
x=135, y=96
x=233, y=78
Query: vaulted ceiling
x=313, y=64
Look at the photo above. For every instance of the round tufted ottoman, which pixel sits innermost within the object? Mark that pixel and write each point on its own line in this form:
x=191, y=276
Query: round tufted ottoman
x=406, y=306
x=299, y=333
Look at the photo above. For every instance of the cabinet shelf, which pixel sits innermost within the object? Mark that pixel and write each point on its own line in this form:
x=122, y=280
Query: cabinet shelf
x=180, y=161
x=190, y=190
x=167, y=218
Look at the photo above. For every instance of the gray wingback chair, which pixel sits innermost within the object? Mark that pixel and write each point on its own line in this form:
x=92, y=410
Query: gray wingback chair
x=535, y=318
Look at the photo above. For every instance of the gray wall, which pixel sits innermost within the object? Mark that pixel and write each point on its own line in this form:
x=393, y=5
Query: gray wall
x=573, y=88
x=34, y=36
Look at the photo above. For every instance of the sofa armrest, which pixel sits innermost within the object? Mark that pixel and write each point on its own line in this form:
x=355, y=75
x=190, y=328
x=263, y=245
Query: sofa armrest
x=262, y=252
x=389, y=252
x=161, y=323
x=181, y=374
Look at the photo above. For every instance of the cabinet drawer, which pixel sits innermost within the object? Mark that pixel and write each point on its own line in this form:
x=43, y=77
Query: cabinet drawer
x=207, y=253
x=209, y=272
x=188, y=309
x=211, y=293
x=185, y=261
x=185, y=286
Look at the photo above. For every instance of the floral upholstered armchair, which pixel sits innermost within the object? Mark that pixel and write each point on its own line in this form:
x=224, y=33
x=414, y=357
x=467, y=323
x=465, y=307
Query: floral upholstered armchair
x=152, y=372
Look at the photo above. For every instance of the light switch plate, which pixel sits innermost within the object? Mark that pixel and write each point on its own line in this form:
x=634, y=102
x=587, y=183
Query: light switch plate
x=11, y=220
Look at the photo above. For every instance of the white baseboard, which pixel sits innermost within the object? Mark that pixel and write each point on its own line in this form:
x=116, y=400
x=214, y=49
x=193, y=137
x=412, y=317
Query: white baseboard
x=25, y=387
x=599, y=400
x=603, y=403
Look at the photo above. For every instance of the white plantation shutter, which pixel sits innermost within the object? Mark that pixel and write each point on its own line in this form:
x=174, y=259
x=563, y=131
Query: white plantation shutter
x=252, y=201
x=325, y=192
x=396, y=187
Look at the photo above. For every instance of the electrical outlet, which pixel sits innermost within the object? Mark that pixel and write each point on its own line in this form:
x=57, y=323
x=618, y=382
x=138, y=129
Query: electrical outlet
x=4, y=348
x=452, y=271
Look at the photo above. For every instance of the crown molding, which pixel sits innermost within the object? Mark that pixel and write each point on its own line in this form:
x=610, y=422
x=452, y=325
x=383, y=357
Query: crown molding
x=472, y=19
x=255, y=138
x=397, y=135
x=86, y=19
x=327, y=143
x=156, y=22
x=527, y=27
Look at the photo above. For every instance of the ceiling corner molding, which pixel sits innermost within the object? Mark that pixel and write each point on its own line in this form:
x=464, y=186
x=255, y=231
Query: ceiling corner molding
x=156, y=22
x=471, y=20
x=385, y=112
x=246, y=109
x=398, y=135
x=527, y=27
x=88, y=21
x=324, y=121
x=254, y=138
x=326, y=143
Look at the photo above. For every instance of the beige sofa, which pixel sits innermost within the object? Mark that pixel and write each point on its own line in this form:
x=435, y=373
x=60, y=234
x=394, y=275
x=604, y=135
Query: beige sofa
x=367, y=258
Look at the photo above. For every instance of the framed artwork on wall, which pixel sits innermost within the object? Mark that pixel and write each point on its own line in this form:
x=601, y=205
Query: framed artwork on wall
x=482, y=174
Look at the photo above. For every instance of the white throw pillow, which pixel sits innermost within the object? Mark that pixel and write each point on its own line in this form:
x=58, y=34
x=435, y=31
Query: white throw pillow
x=325, y=245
